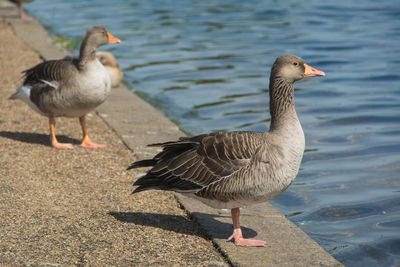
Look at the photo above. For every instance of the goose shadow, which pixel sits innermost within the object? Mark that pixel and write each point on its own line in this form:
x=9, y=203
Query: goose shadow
x=35, y=138
x=180, y=224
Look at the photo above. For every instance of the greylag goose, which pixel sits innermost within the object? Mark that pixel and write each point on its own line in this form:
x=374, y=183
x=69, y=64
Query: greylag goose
x=236, y=169
x=110, y=63
x=69, y=87
x=21, y=12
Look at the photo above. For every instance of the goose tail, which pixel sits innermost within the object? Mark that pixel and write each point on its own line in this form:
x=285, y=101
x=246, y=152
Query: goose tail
x=142, y=163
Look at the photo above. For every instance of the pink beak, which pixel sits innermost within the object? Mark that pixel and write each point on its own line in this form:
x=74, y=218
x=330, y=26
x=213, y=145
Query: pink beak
x=311, y=72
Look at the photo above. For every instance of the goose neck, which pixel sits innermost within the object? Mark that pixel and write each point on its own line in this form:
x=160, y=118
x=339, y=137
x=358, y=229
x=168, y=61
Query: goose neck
x=87, y=53
x=282, y=109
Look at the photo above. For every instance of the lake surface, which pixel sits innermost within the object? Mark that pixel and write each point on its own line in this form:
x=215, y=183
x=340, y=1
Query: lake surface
x=205, y=65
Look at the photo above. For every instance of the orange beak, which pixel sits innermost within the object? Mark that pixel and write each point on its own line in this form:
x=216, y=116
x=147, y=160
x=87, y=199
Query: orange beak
x=112, y=39
x=311, y=72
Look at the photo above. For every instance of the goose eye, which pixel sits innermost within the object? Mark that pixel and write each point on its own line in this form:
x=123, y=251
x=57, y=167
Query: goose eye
x=295, y=63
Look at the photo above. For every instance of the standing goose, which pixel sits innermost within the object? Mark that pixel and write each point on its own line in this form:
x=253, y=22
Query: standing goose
x=236, y=169
x=69, y=87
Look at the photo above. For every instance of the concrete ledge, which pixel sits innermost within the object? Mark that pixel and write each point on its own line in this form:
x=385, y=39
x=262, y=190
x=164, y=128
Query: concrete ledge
x=287, y=245
x=139, y=124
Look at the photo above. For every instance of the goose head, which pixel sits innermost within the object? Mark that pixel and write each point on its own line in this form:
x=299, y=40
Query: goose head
x=107, y=59
x=97, y=36
x=94, y=37
x=292, y=68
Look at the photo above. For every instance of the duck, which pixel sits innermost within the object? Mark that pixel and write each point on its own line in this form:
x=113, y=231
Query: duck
x=69, y=87
x=21, y=12
x=110, y=63
x=231, y=170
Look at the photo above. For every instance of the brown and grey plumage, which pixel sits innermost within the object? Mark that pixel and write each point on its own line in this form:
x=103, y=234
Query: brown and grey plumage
x=69, y=87
x=236, y=169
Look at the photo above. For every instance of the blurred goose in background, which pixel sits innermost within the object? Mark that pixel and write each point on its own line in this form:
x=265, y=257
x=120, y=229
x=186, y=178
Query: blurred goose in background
x=69, y=87
x=113, y=69
x=236, y=169
x=21, y=12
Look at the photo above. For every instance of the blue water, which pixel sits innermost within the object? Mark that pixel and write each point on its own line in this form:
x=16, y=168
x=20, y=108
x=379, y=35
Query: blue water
x=205, y=64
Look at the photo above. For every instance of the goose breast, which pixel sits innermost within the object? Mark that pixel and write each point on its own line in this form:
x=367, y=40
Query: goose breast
x=95, y=82
x=85, y=91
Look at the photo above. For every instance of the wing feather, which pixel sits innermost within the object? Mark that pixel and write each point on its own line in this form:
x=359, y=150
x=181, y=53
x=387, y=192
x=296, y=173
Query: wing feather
x=52, y=70
x=194, y=163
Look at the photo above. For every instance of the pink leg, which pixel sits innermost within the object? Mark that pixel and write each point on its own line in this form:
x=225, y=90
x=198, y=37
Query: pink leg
x=22, y=14
x=54, y=142
x=86, y=141
x=237, y=233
